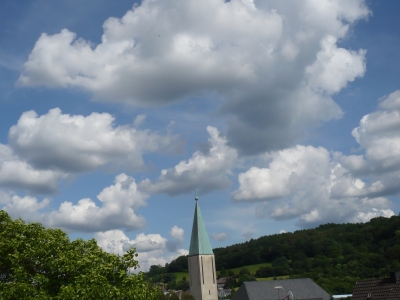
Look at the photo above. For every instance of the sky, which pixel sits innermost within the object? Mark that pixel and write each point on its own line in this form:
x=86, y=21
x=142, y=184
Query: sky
x=283, y=114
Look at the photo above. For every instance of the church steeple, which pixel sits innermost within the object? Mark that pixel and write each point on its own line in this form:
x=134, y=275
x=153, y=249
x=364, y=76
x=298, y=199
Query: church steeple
x=199, y=242
x=201, y=261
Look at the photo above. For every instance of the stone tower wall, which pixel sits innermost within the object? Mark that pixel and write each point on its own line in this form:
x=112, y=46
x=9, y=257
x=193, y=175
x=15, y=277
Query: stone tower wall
x=203, y=279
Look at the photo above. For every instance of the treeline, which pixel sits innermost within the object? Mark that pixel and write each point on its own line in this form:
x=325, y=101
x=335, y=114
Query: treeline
x=333, y=255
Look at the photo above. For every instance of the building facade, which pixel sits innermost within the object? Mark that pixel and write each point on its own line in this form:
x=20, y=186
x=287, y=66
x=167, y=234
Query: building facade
x=201, y=261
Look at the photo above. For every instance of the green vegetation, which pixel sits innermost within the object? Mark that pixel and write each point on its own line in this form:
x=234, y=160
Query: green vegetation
x=174, y=281
x=273, y=278
x=39, y=263
x=252, y=268
x=181, y=275
x=335, y=256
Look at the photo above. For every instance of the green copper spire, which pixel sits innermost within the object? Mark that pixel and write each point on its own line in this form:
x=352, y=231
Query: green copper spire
x=199, y=242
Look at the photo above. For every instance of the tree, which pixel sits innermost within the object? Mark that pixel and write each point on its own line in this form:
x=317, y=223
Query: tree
x=230, y=283
x=171, y=296
x=222, y=273
x=244, y=271
x=245, y=277
x=183, y=285
x=40, y=263
x=187, y=296
x=281, y=266
x=266, y=271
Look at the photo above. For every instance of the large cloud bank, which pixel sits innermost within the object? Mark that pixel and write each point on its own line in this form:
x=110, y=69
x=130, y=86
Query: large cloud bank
x=273, y=68
x=318, y=186
x=43, y=150
x=275, y=65
x=81, y=143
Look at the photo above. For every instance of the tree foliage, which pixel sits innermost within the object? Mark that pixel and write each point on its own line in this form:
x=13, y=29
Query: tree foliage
x=187, y=296
x=40, y=263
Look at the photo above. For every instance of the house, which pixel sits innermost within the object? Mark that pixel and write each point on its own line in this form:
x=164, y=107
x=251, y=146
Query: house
x=300, y=289
x=378, y=289
x=222, y=293
x=179, y=293
x=221, y=282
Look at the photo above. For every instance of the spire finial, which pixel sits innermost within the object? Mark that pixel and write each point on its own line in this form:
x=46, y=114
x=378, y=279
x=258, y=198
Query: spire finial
x=196, y=197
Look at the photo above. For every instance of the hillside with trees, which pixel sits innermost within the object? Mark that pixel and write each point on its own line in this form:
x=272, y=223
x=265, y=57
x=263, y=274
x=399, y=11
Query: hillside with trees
x=333, y=255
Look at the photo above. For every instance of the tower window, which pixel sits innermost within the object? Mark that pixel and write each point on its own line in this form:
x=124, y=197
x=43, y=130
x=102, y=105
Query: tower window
x=202, y=270
x=190, y=277
x=212, y=262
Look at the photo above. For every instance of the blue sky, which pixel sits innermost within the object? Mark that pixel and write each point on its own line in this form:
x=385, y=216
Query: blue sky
x=284, y=114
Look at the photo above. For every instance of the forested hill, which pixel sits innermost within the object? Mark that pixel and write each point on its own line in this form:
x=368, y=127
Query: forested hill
x=377, y=243
x=346, y=252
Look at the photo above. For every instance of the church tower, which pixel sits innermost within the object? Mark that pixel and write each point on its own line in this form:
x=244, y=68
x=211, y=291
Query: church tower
x=201, y=261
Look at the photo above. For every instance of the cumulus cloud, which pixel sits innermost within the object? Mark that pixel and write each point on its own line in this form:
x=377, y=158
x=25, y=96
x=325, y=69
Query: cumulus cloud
x=56, y=141
x=152, y=248
x=334, y=67
x=219, y=236
x=27, y=208
x=378, y=134
x=18, y=174
x=318, y=186
x=118, y=209
x=311, y=186
x=275, y=67
x=177, y=233
x=290, y=166
x=43, y=150
x=208, y=171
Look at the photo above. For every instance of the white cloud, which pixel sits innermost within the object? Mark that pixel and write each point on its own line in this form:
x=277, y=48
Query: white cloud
x=311, y=186
x=177, y=233
x=139, y=51
x=379, y=135
x=275, y=67
x=77, y=143
x=316, y=186
x=27, y=207
x=219, y=236
x=152, y=248
x=335, y=67
x=391, y=102
x=119, y=203
x=288, y=167
x=208, y=171
x=18, y=174
x=365, y=217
